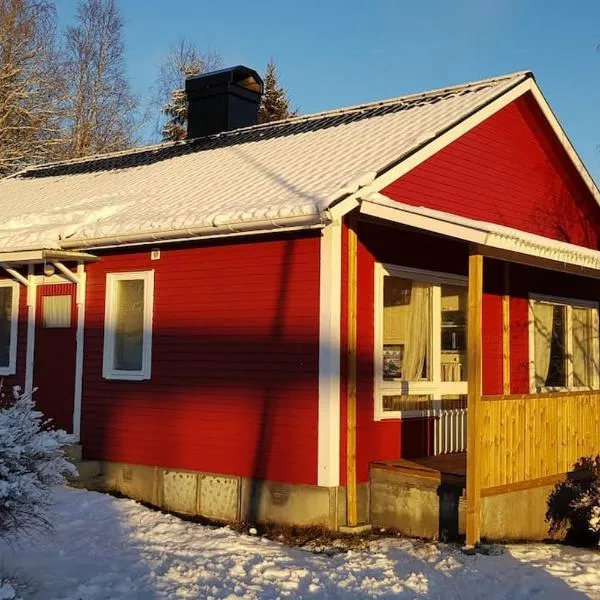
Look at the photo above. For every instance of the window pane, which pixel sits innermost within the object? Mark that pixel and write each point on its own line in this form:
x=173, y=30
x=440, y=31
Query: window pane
x=406, y=325
x=129, y=324
x=583, y=334
x=56, y=311
x=5, y=325
x=549, y=345
x=407, y=402
x=454, y=333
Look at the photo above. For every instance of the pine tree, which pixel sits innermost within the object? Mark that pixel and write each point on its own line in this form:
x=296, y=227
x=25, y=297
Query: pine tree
x=32, y=462
x=275, y=104
x=183, y=60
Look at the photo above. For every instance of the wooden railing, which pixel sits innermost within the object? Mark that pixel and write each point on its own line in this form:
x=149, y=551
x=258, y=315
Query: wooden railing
x=522, y=438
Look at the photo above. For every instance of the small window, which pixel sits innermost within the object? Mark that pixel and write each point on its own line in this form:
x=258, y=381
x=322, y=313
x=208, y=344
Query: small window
x=56, y=312
x=9, y=307
x=454, y=332
x=128, y=325
x=565, y=345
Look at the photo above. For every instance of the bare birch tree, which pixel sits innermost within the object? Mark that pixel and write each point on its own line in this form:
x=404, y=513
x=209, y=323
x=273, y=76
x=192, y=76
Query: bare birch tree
x=31, y=84
x=183, y=60
x=102, y=108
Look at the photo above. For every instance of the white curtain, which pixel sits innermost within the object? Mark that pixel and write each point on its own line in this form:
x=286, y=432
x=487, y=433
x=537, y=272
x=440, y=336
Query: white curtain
x=417, y=332
x=543, y=316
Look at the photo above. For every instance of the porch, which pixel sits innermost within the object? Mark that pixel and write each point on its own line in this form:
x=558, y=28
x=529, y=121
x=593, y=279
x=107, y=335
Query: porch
x=489, y=475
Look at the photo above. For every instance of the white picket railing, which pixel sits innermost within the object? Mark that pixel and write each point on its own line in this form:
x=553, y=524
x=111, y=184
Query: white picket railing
x=449, y=430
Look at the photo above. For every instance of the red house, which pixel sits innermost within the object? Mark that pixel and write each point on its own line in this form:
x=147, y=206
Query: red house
x=384, y=314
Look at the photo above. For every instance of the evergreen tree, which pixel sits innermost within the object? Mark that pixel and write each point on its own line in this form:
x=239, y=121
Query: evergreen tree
x=183, y=60
x=275, y=104
x=32, y=462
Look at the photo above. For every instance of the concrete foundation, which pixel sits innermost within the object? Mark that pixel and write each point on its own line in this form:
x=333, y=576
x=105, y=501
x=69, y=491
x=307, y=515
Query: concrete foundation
x=518, y=515
x=224, y=497
x=416, y=506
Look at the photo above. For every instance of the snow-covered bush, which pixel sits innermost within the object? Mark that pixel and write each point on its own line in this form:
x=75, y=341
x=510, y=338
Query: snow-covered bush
x=574, y=505
x=32, y=460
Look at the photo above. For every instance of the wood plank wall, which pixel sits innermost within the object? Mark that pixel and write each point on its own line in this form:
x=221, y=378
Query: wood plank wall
x=534, y=436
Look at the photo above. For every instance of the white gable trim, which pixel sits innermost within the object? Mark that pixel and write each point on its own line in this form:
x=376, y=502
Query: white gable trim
x=564, y=140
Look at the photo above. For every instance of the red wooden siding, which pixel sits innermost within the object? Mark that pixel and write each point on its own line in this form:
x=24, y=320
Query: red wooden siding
x=492, y=327
x=510, y=170
x=234, y=385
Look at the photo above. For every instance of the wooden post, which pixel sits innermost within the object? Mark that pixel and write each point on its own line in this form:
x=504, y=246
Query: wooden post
x=474, y=351
x=506, y=328
x=351, y=503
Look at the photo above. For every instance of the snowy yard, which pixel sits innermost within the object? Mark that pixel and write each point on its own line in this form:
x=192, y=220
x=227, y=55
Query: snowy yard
x=105, y=547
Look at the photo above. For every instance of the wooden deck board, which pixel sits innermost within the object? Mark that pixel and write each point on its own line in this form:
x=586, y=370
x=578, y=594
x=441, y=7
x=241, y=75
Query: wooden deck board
x=445, y=467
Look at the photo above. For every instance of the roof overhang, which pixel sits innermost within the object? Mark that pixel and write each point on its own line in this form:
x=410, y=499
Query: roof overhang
x=495, y=241
x=32, y=257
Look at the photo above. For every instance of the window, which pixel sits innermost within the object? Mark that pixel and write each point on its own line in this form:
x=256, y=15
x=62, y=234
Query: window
x=420, y=340
x=563, y=344
x=128, y=325
x=9, y=314
x=56, y=312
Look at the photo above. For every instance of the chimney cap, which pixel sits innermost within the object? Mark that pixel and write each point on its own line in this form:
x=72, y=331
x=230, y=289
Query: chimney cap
x=239, y=75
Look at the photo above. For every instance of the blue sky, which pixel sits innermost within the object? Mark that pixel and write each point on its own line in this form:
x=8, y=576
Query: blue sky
x=332, y=53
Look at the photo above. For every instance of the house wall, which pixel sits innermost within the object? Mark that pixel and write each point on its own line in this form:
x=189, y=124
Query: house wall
x=234, y=362
x=509, y=170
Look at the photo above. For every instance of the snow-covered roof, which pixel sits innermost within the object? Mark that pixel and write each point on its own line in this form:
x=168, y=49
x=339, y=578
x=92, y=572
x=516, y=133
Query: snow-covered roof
x=280, y=174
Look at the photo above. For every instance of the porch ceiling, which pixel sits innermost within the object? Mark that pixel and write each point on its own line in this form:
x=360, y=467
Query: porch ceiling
x=493, y=240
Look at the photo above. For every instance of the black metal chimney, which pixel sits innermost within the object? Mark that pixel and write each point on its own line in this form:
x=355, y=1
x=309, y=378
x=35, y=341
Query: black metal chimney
x=222, y=100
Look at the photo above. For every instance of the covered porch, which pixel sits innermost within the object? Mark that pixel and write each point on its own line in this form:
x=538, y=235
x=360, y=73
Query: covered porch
x=495, y=468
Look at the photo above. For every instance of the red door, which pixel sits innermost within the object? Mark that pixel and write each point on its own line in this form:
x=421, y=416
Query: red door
x=55, y=344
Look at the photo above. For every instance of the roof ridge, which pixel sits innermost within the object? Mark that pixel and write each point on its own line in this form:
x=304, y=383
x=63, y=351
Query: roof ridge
x=395, y=100
x=296, y=119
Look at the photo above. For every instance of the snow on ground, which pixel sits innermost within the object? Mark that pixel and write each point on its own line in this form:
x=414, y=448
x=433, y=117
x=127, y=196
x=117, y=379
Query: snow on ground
x=104, y=547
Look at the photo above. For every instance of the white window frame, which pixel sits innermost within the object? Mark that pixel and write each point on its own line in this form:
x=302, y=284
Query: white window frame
x=569, y=304
x=11, y=369
x=108, y=371
x=435, y=387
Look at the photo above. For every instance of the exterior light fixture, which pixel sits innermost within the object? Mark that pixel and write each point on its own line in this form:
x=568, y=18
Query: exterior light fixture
x=49, y=269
